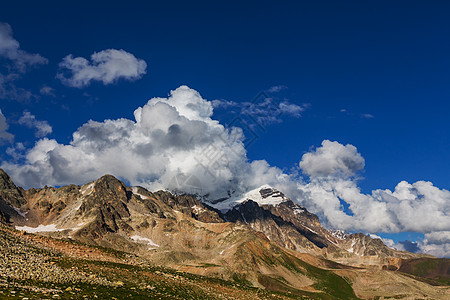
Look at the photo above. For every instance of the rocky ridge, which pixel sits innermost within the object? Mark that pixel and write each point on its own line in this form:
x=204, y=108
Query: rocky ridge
x=266, y=240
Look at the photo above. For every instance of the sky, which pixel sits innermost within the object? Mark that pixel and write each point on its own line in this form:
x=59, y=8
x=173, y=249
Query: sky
x=341, y=105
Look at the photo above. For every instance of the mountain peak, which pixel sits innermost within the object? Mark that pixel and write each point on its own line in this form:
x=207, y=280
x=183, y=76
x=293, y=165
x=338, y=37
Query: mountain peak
x=265, y=195
x=108, y=186
x=108, y=178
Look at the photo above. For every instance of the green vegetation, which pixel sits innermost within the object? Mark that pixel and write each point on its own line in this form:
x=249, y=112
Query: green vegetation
x=241, y=279
x=435, y=271
x=333, y=285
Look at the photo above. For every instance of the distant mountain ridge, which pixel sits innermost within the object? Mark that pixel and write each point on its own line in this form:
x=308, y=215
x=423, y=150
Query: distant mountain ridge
x=265, y=238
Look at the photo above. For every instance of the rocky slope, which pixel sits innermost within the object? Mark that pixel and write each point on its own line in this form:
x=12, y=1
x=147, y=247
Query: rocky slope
x=36, y=267
x=265, y=241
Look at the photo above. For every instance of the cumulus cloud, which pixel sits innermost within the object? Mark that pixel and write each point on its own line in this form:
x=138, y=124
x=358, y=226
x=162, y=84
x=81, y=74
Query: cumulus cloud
x=107, y=66
x=332, y=159
x=410, y=207
x=417, y=207
x=169, y=136
x=4, y=134
x=176, y=137
x=42, y=127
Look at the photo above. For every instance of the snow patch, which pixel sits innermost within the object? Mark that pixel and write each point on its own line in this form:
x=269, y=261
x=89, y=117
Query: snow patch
x=197, y=209
x=40, y=228
x=339, y=234
x=331, y=241
x=78, y=205
x=135, y=191
x=87, y=189
x=311, y=230
x=77, y=227
x=149, y=242
x=298, y=211
x=274, y=198
x=18, y=211
x=351, y=250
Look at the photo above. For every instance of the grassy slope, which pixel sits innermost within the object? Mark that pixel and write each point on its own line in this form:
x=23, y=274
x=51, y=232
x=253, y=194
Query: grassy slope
x=326, y=283
x=436, y=270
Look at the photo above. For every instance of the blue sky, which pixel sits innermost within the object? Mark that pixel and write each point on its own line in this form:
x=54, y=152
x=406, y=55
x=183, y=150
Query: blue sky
x=373, y=74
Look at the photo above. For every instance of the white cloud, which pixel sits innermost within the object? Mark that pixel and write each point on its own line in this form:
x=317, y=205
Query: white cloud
x=416, y=207
x=16, y=151
x=367, y=116
x=4, y=134
x=263, y=110
x=107, y=66
x=9, y=90
x=268, y=110
x=224, y=103
x=332, y=159
x=277, y=88
x=292, y=109
x=436, y=243
x=15, y=61
x=442, y=237
x=10, y=49
x=47, y=91
x=169, y=136
x=42, y=127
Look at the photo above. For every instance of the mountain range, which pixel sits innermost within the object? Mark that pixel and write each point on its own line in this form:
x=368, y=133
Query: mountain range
x=263, y=246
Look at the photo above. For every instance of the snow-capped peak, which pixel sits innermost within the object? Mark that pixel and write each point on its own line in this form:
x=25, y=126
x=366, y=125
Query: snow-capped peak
x=263, y=195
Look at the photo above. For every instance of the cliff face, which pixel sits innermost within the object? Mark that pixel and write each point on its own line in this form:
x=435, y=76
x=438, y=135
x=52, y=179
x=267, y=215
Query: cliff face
x=11, y=197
